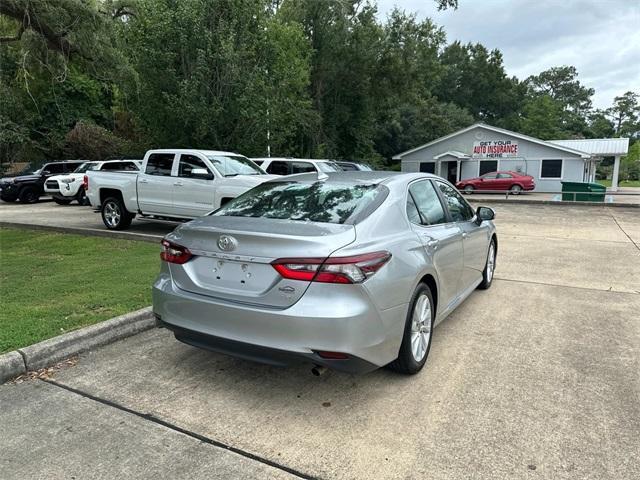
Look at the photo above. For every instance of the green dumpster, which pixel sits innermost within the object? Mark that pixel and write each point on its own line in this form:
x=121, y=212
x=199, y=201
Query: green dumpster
x=583, y=192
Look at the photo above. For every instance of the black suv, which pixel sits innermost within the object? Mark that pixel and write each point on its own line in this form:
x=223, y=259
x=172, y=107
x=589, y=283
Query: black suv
x=28, y=186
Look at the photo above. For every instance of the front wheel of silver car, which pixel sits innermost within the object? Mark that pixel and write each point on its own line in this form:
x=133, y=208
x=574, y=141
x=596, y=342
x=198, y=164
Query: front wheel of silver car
x=490, y=267
x=416, y=340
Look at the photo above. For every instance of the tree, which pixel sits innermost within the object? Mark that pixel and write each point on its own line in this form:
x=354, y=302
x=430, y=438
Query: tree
x=630, y=164
x=625, y=114
x=474, y=78
x=562, y=87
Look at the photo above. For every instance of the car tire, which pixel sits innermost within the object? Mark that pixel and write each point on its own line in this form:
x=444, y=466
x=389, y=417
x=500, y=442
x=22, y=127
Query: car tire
x=114, y=214
x=515, y=189
x=61, y=201
x=416, y=339
x=468, y=189
x=489, y=267
x=81, y=197
x=29, y=195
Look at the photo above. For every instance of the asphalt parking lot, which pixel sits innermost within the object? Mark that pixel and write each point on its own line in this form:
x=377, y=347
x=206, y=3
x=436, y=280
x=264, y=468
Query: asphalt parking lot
x=535, y=378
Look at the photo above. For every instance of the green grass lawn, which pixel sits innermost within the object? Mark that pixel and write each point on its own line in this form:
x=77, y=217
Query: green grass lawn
x=51, y=283
x=630, y=183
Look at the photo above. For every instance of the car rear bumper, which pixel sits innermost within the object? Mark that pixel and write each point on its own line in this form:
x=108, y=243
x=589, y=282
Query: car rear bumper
x=321, y=321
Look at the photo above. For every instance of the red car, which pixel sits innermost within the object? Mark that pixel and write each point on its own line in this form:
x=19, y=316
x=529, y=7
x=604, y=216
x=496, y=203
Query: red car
x=502, y=181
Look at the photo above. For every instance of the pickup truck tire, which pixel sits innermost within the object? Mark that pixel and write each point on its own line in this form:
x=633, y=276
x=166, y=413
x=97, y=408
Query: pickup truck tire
x=61, y=201
x=29, y=195
x=114, y=214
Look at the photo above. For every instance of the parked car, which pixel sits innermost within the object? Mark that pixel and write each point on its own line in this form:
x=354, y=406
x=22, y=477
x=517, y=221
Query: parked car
x=498, y=181
x=66, y=188
x=351, y=272
x=28, y=187
x=351, y=166
x=172, y=184
x=291, y=166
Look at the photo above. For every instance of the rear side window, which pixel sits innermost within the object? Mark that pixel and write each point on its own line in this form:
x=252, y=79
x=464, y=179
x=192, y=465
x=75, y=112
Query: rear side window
x=302, y=167
x=426, y=201
x=279, y=168
x=159, y=164
x=112, y=166
x=313, y=202
x=348, y=167
x=54, y=168
x=459, y=209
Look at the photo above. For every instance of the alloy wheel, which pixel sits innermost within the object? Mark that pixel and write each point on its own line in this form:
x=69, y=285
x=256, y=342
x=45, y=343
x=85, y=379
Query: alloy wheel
x=421, y=327
x=112, y=214
x=491, y=261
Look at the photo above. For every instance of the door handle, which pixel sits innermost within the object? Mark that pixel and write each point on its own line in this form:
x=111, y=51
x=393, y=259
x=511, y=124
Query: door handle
x=143, y=181
x=178, y=184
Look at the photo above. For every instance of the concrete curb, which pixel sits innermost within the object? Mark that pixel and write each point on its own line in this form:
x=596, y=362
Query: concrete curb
x=53, y=350
x=141, y=237
x=551, y=202
x=11, y=365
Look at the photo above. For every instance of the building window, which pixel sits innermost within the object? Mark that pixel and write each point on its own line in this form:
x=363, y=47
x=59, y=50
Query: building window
x=487, y=166
x=428, y=167
x=551, y=169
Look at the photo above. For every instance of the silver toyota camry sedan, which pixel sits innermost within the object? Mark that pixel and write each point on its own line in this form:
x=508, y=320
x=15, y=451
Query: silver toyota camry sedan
x=348, y=270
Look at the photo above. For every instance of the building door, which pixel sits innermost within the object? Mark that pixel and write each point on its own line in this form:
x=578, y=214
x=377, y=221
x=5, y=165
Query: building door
x=451, y=171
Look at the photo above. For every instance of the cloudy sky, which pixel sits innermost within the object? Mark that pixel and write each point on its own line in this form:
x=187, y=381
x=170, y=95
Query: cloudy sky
x=601, y=38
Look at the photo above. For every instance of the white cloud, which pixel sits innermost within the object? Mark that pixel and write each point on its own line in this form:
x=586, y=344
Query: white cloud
x=601, y=38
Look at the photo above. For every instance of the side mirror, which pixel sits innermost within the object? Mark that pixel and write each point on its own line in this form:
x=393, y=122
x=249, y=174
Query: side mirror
x=483, y=214
x=46, y=172
x=201, y=173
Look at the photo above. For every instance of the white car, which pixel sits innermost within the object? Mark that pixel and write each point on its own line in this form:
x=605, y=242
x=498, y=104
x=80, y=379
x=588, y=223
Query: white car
x=172, y=184
x=66, y=188
x=291, y=166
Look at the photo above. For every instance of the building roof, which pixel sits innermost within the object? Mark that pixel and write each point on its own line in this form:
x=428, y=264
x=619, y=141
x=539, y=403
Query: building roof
x=498, y=130
x=597, y=146
x=453, y=153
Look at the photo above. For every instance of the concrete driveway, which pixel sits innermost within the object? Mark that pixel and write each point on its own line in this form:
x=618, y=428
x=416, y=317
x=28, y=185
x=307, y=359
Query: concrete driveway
x=535, y=378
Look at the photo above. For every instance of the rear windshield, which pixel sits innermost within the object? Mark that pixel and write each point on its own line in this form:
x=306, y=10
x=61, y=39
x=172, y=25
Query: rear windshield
x=312, y=202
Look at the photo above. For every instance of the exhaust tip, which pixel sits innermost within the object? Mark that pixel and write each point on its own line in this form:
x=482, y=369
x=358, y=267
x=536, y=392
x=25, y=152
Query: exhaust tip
x=318, y=370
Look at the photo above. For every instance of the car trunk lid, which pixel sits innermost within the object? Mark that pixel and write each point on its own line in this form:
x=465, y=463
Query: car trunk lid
x=233, y=255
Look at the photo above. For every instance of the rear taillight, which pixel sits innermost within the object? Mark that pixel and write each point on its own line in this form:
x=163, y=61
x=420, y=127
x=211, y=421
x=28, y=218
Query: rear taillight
x=85, y=183
x=174, y=253
x=354, y=269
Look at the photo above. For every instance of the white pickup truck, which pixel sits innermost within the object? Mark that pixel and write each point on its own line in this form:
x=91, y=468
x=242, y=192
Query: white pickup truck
x=172, y=184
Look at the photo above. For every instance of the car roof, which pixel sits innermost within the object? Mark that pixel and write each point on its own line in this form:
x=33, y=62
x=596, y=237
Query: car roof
x=359, y=176
x=290, y=159
x=193, y=150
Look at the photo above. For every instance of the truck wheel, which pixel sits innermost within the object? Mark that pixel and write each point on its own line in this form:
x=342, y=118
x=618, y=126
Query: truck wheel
x=61, y=201
x=29, y=195
x=114, y=214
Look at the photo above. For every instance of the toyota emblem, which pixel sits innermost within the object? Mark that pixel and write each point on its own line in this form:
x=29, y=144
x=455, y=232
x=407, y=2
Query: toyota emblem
x=227, y=243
